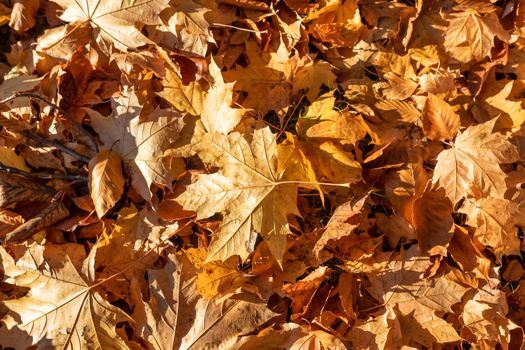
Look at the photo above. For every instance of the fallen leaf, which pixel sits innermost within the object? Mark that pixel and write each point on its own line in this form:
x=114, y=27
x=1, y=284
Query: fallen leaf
x=473, y=162
x=440, y=122
x=217, y=114
x=470, y=35
x=63, y=308
x=106, y=181
x=140, y=143
x=23, y=14
x=115, y=22
x=190, y=322
x=254, y=197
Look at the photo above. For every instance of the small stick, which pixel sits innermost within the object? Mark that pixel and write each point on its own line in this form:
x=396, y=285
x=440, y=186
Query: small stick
x=42, y=175
x=50, y=215
x=43, y=141
x=59, y=109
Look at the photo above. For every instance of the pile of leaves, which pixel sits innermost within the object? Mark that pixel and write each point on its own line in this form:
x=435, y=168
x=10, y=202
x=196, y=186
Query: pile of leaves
x=278, y=174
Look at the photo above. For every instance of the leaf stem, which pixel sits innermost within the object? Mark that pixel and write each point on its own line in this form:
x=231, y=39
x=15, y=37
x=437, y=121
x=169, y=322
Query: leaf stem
x=239, y=28
x=346, y=185
x=43, y=141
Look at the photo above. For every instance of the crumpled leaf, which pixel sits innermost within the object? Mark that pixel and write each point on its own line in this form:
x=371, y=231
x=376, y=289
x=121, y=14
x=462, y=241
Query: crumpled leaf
x=380, y=332
x=23, y=14
x=141, y=142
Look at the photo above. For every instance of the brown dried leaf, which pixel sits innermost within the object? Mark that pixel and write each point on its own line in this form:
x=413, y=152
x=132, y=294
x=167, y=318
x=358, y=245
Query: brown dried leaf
x=63, y=308
x=106, y=181
x=473, y=163
x=440, y=122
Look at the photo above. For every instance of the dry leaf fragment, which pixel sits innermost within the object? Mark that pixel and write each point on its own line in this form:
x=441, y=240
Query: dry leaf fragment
x=217, y=114
x=218, y=278
x=397, y=87
x=50, y=215
x=379, y=332
x=432, y=220
x=311, y=76
x=441, y=82
x=106, y=181
x=343, y=221
x=484, y=317
x=14, y=188
x=23, y=14
x=141, y=142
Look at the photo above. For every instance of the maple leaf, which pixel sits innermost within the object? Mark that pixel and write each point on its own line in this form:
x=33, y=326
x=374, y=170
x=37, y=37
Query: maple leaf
x=63, y=309
x=311, y=76
x=496, y=221
x=213, y=106
x=190, y=322
x=379, y=332
x=470, y=36
x=247, y=189
x=473, y=161
x=141, y=143
x=402, y=284
x=186, y=28
x=115, y=21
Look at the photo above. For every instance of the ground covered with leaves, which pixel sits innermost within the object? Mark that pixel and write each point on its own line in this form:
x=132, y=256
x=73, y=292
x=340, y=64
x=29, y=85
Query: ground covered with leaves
x=279, y=174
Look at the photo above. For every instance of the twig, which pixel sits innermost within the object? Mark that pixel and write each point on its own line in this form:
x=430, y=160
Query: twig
x=68, y=116
x=55, y=212
x=42, y=175
x=43, y=141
